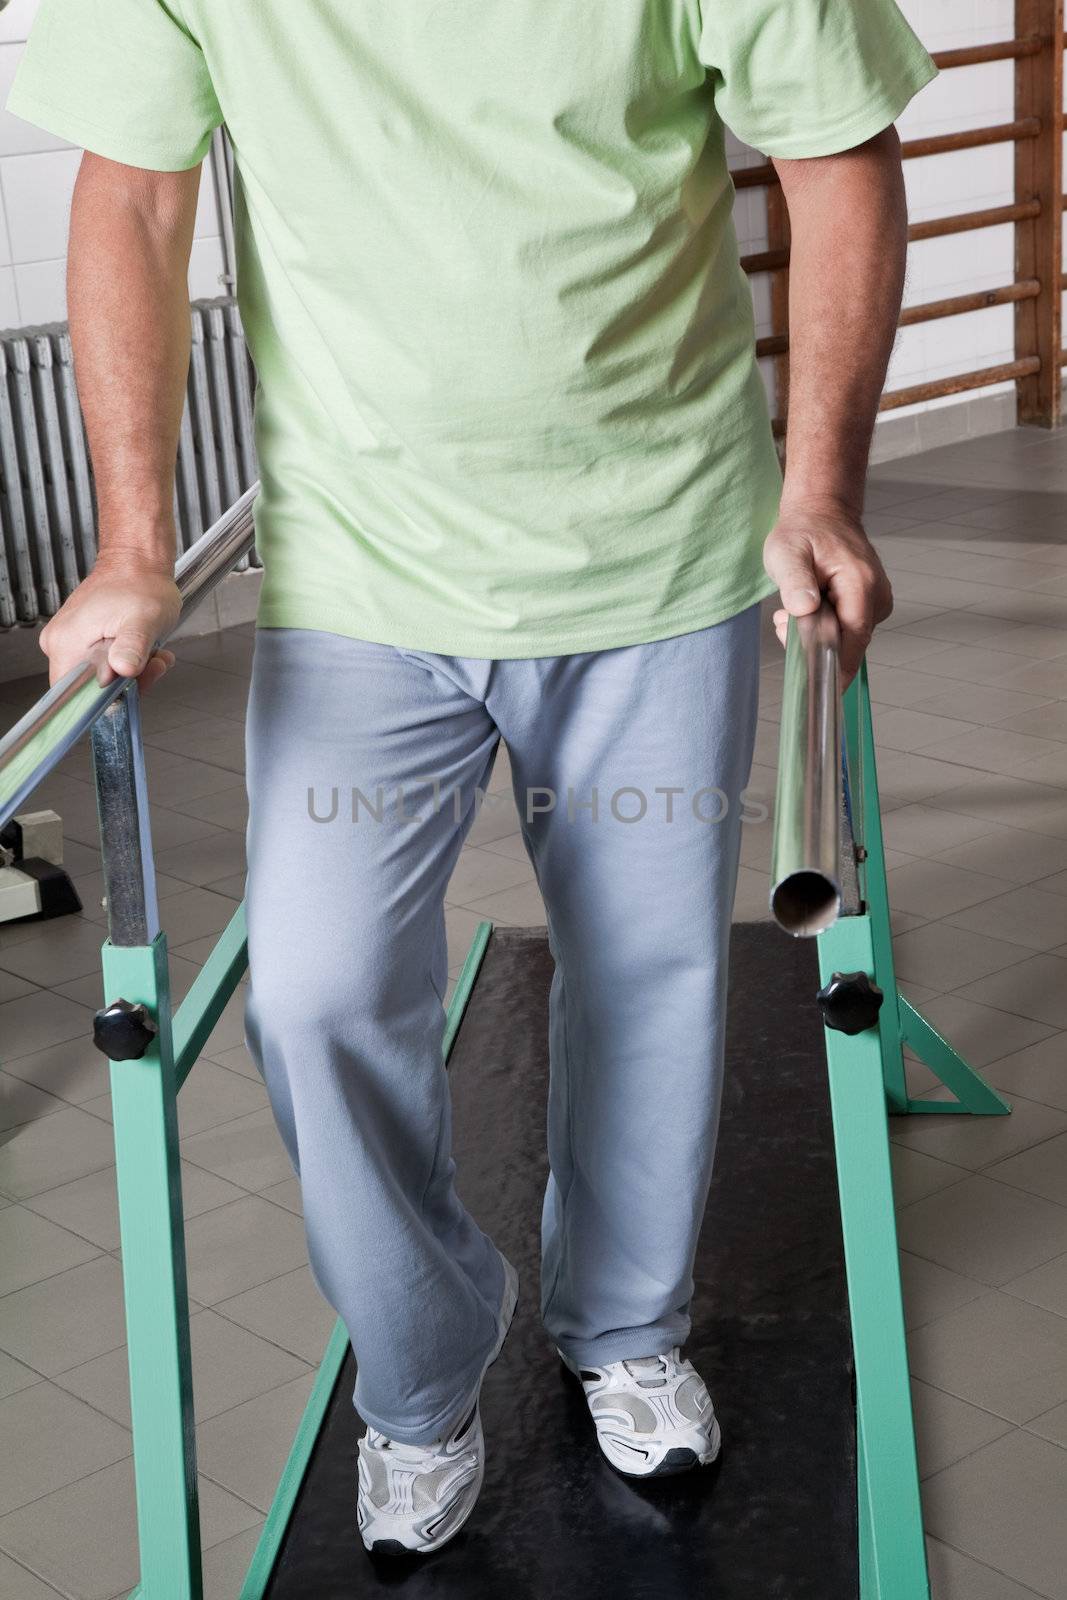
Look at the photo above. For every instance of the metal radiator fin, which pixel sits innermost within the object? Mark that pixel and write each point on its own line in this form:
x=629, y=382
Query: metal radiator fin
x=47, y=506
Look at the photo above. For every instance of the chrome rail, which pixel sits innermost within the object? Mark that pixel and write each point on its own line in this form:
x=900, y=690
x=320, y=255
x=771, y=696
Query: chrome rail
x=813, y=855
x=40, y=740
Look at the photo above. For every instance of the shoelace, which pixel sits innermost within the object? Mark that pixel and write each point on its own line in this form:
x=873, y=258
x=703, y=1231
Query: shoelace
x=651, y=1372
x=405, y=1455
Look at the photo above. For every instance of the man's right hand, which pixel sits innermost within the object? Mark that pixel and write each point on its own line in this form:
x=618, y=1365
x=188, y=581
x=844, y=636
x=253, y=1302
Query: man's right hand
x=127, y=601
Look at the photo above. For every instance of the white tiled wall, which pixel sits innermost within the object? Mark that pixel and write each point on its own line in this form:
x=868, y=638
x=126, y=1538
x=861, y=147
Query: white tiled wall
x=37, y=175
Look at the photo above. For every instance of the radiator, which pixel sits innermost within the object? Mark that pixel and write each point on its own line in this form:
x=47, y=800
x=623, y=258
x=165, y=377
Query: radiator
x=47, y=505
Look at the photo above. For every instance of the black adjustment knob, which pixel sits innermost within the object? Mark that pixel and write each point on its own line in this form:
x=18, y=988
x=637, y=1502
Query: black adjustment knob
x=850, y=1002
x=123, y=1031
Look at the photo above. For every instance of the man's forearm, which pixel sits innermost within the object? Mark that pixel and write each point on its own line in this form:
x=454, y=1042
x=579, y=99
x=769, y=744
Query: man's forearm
x=131, y=233
x=848, y=220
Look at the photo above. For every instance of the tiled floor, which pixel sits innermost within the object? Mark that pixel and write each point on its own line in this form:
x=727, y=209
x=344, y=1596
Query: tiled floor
x=970, y=680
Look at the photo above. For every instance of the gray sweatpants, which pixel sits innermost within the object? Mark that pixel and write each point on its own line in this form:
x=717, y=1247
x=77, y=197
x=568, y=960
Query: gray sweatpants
x=365, y=764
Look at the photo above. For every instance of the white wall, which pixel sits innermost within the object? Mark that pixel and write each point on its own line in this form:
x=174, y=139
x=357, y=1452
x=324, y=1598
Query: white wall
x=36, y=181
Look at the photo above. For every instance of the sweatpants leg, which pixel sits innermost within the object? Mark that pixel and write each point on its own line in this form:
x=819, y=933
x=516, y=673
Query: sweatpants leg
x=638, y=883
x=345, y=1013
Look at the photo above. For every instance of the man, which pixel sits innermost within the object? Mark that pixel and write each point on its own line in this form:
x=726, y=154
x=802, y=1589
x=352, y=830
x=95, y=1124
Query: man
x=517, y=482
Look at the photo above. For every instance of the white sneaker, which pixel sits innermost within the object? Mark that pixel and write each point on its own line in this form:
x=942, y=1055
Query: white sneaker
x=413, y=1498
x=653, y=1415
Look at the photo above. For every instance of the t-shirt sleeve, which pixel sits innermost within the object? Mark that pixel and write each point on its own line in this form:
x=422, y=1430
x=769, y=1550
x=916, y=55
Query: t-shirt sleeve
x=810, y=77
x=123, y=78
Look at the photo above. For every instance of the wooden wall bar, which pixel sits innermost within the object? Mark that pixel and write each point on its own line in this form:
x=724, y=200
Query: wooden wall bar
x=1036, y=132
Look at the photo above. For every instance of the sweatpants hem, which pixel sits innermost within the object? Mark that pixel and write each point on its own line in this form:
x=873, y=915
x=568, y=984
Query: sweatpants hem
x=629, y=1345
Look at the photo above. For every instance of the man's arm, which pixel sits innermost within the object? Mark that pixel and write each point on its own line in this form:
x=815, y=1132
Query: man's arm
x=848, y=219
x=130, y=237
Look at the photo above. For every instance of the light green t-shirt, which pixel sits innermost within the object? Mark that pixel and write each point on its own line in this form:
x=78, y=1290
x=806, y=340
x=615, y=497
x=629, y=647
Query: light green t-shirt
x=508, y=402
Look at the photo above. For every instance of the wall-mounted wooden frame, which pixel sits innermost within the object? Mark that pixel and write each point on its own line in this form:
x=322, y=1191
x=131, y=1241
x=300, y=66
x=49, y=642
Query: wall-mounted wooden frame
x=1036, y=211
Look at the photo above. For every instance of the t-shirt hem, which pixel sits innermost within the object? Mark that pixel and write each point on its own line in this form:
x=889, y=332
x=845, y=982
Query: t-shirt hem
x=495, y=647
x=64, y=124
x=873, y=119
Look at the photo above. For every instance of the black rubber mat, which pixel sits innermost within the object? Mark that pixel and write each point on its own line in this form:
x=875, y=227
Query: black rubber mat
x=775, y=1519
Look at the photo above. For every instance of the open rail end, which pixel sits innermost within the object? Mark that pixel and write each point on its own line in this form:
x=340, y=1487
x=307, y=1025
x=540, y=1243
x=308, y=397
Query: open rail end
x=806, y=903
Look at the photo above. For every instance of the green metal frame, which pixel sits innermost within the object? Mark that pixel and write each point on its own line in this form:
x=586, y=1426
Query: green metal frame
x=866, y=1075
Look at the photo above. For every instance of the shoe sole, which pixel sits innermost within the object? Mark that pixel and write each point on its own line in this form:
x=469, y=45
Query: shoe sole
x=508, y=1307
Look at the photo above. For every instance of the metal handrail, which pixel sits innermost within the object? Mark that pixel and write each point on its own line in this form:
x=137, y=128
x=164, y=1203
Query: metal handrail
x=51, y=727
x=813, y=857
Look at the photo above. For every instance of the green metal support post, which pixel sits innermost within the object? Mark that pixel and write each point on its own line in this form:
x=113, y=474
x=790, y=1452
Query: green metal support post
x=892, y=1547
x=152, y=1227
x=135, y=1030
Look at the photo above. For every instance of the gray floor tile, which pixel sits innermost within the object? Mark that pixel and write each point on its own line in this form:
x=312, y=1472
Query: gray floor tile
x=230, y=1365
x=12, y=987
x=520, y=907
x=481, y=872
x=984, y=1230
x=916, y=1175
x=225, y=808
x=288, y=1310
x=904, y=728
x=978, y=1142
x=998, y=1352
x=925, y=955
x=39, y=1020
x=33, y=1248
x=17, y=1583
x=901, y=687
x=245, y=1448
x=1004, y=1506
x=1043, y=1286
x=947, y=1428
x=931, y=1291
x=88, y=1207
x=37, y=1326
x=37, y=1157
x=15, y=1375
x=194, y=913
x=51, y=1438
x=1051, y=1425
x=1038, y=1072
x=934, y=889
x=287, y=1193
x=236, y=1059
x=212, y=1095
x=84, y=1537
x=238, y=1246
x=980, y=1033
x=1014, y=802
x=205, y=861
x=1036, y=988
x=955, y=1576
x=981, y=703
x=1041, y=1170
x=183, y=780
x=24, y=1102
x=497, y=817
x=246, y=1150
x=1011, y=853
x=921, y=830
x=226, y=1564
x=998, y=749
